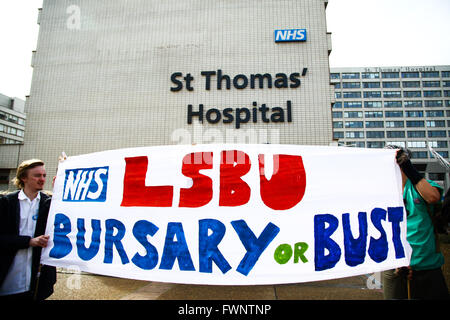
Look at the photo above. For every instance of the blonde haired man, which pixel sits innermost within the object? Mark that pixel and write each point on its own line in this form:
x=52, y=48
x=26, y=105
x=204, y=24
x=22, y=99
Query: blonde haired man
x=23, y=218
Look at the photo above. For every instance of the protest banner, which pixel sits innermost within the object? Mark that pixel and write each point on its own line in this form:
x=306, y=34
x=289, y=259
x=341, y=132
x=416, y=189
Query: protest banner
x=229, y=214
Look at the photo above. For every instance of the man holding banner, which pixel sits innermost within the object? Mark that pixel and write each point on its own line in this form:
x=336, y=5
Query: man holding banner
x=23, y=218
x=423, y=279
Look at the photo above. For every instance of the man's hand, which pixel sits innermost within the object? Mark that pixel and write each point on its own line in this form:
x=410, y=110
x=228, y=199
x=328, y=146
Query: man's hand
x=40, y=241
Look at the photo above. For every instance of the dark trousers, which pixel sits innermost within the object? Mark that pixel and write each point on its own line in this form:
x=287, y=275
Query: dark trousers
x=23, y=296
x=425, y=284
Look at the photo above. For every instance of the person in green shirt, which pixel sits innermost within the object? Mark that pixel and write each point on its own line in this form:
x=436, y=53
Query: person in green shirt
x=423, y=279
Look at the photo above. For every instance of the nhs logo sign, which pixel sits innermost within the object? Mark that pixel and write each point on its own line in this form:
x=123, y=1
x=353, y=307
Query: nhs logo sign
x=86, y=184
x=290, y=35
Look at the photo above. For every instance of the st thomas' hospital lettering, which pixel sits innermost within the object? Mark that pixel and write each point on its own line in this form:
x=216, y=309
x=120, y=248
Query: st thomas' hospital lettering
x=239, y=115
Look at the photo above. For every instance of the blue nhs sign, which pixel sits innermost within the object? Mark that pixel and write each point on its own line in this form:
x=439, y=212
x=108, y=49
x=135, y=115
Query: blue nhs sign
x=290, y=35
x=86, y=184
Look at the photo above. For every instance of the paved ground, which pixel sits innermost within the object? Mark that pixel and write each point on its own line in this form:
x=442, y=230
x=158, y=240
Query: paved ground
x=94, y=287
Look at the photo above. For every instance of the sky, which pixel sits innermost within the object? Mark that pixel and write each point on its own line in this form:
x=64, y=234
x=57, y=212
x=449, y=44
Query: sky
x=365, y=33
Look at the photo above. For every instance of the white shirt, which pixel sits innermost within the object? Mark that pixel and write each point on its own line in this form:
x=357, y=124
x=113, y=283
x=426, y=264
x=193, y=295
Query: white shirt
x=19, y=275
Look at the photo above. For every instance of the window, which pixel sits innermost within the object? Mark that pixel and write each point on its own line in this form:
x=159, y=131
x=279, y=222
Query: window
x=416, y=144
x=414, y=114
x=371, y=85
x=337, y=105
x=337, y=114
x=430, y=74
x=350, y=75
x=446, y=93
x=434, y=103
x=435, y=123
x=373, y=114
x=395, y=134
x=412, y=94
x=372, y=104
x=445, y=74
x=413, y=104
x=411, y=84
x=392, y=94
x=431, y=84
x=437, y=134
x=351, y=85
x=432, y=94
x=354, y=134
x=338, y=135
x=337, y=85
x=352, y=114
x=356, y=144
x=419, y=155
x=393, y=114
x=372, y=94
x=353, y=124
x=389, y=75
x=410, y=75
x=446, y=84
x=334, y=75
x=435, y=113
x=416, y=134
x=338, y=124
x=397, y=143
x=353, y=104
x=415, y=124
x=392, y=84
x=438, y=144
x=374, y=124
x=371, y=75
x=395, y=124
x=375, y=144
x=338, y=95
x=375, y=134
x=392, y=104
x=351, y=95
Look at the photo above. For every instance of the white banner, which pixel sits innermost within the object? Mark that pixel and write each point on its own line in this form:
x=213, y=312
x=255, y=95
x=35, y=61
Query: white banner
x=229, y=214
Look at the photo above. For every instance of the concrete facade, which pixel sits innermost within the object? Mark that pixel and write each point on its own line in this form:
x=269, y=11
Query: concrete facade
x=103, y=73
x=404, y=105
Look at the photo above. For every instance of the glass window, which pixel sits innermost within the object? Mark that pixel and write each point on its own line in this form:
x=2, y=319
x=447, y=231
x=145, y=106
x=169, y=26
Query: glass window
x=414, y=114
x=375, y=144
x=416, y=134
x=419, y=154
x=432, y=94
x=435, y=123
x=351, y=85
x=352, y=114
x=395, y=124
x=412, y=94
x=415, y=124
x=374, y=124
x=392, y=104
x=334, y=75
x=397, y=143
x=411, y=84
x=392, y=94
x=353, y=124
x=351, y=94
x=438, y=144
x=430, y=74
x=375, y=134
x=353, y=104
x=445, y=74
x=389, y=75
x=410, y=75
x=391, y=84
x=437, y=134
x=393, y=114
x=434, y=103
x=372, y=94
x=371, y=75
x=338, y=95
x=446, y=84
x=337, y=85
x=338, y=124
x=413, y=104
x=373, y=114
x=371, y=85
x=338, y=135
x=337, y=114
x=372, y=104
x=349, y=75
x=435, y=113
x=431, y=84
x=337, y=105
x=354, y=134
x=395, y=134
x=446, y=93
x=416, y=144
